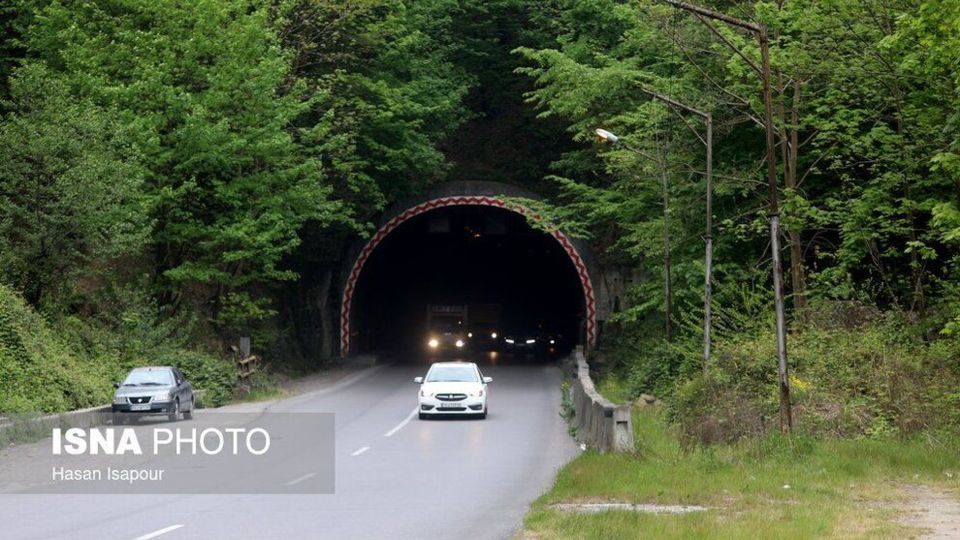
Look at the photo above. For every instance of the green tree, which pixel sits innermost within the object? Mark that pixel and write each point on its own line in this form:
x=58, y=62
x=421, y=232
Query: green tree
x=70, y=188
x=209, y=86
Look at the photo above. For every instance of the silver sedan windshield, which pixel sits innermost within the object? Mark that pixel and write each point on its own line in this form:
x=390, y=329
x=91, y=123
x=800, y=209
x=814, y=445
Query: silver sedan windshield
x=149, y=377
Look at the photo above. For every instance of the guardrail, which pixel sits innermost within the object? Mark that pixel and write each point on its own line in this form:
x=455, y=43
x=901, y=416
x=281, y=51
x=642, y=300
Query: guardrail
x=22, y=427
x=599, y=423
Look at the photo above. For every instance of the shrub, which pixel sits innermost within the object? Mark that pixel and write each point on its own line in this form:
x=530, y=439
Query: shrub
x=46, y=367
x=855, y=372
x=213, y=377
x=39, y=371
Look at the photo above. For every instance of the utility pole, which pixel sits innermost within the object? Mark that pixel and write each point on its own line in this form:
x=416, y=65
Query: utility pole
x=760, y=32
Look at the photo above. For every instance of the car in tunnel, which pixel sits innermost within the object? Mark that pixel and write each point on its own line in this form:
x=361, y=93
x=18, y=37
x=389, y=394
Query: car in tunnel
x=523, y=340
x=453, y=388
x=446, y=338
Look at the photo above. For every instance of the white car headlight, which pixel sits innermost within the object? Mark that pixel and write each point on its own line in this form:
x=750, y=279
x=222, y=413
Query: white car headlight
x=529, y=341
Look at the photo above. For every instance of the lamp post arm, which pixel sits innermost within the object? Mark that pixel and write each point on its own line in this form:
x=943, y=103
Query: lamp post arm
x=674, y=105
x=710, y=14
x=671, y=101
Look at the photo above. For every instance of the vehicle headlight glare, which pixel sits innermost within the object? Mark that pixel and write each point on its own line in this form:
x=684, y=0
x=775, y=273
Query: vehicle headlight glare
x=529, y=341
x=433, y=343
x=459, y=343
x=493, y=335
x=508, y=340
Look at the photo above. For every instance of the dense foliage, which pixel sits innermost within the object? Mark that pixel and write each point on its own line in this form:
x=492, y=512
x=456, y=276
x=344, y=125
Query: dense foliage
x=204, y=166
x=865, y=99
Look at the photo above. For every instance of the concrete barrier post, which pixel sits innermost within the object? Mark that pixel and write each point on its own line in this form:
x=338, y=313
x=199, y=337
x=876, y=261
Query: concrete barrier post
x=599, y=424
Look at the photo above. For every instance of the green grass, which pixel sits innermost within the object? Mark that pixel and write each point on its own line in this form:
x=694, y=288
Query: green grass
x=263, y=387
x=615, y=389
x=838, y=488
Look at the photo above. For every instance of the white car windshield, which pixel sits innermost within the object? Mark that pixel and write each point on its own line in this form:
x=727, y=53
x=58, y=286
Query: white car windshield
x=149, y=377
x=453, y=374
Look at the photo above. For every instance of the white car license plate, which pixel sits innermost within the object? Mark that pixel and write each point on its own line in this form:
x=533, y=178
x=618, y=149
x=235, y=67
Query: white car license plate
x=145, y=407
x=448, y=405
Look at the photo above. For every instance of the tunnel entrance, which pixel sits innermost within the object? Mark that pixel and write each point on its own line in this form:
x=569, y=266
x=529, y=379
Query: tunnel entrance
x=480, y=267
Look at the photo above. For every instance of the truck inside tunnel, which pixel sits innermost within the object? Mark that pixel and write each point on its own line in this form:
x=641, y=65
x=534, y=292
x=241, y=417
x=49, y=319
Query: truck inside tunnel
x=478, y=275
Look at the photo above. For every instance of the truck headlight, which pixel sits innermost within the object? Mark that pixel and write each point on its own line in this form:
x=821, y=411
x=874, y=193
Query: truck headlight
x=459, y=343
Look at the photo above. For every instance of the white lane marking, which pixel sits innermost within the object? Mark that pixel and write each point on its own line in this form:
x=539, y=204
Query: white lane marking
x=360, y=451
x=401, y=424
x=296, y=481
x=155, y=534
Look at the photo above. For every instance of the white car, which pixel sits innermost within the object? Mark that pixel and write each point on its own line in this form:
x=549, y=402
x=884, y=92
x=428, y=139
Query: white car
x=453, y=388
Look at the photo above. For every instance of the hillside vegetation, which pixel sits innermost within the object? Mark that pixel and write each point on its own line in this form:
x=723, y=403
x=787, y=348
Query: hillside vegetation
x=174, y=175
x=73, y=364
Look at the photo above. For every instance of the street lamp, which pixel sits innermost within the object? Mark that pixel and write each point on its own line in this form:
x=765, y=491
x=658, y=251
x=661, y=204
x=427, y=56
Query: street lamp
x=606, y=136
x=760, y=32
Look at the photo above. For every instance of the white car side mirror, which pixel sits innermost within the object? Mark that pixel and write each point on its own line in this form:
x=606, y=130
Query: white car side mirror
x=418, y=380
x=487, y=380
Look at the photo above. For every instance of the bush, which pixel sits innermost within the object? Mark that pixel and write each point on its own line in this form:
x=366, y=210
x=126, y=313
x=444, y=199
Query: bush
x=213, y=377
x=71, y=364
x=858, y=373
x=39, y=371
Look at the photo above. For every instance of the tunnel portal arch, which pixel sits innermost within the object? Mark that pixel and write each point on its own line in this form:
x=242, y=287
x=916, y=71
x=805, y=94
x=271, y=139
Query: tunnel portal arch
x=446, y=201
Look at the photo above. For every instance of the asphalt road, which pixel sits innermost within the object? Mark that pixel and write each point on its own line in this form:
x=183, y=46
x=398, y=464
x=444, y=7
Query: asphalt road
x=396, y=476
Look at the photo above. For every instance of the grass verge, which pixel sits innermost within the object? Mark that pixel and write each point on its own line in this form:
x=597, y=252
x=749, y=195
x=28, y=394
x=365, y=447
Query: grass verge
x=837, y=488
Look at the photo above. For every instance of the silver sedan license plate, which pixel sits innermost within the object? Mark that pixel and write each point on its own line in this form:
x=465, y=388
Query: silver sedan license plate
x=145, y=407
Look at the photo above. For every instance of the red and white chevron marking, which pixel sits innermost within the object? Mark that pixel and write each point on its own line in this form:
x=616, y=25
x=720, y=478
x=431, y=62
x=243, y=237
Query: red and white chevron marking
x=442, y=202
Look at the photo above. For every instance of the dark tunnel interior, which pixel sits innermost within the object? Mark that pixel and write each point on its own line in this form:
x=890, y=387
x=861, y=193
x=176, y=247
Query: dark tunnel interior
x=474, y=271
